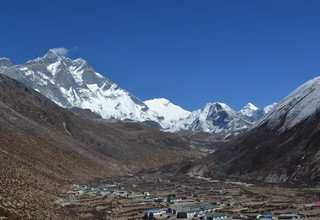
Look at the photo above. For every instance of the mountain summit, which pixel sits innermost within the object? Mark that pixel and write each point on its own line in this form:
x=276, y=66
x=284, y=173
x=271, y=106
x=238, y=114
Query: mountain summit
x=5, y=62
x=218, y=117
x=168, y=113
x=296, y=107
x=282, y=147
x=75, y=84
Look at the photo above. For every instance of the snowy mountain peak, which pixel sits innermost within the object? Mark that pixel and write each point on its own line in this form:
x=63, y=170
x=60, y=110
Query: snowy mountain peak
x=296, y=107
x=167, y=112
x=216, y=106
x=74, y=83
x=51, y=56
x=251, y=106
x=4, y=58
x=5, y=62
x=51, y=53
x=161, y=101
x=268, y=108
x=248, y=110
x=219, y=117
x=213, y=117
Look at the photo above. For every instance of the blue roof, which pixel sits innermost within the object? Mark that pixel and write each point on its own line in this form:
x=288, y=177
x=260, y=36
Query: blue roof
x=267, y=215
x=153, y=210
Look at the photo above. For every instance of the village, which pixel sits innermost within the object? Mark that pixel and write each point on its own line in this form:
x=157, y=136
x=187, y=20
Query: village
x=161, y=196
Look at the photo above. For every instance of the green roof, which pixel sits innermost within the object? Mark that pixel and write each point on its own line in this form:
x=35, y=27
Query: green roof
x=215, y=215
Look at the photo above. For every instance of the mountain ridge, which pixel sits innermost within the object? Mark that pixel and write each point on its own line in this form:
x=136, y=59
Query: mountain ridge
x=217, y=117
x=282, y=148
x=74, y=83
x=46, y=148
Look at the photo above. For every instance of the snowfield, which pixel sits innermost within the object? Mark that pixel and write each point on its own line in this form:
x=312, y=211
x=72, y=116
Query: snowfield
x=296, y=107
x=74, y=83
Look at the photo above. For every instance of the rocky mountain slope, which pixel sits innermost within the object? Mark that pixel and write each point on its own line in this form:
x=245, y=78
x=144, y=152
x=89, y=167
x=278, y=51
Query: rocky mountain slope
x=218, y=117
x=283, y=147
x=75, y=84
x=45, y=148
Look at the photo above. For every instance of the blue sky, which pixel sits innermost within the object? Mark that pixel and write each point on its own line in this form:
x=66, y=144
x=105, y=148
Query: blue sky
x=190, y=52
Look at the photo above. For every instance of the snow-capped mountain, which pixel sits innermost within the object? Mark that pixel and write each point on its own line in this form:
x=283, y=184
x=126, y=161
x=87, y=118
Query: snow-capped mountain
x=5, y=62
x=74, y=83
x=282, y=147
x=212, y=117
x=219, y=117
x=249, y=110
x=167, y=113
x=254, y=113
x=296, y=107
x=268, y=108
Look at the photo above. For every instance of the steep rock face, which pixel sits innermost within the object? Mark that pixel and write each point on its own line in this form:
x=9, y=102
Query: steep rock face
x=218, y=117
x=296, y=107
x=249, y=110
x=214, y=116
x=282, y=147
x=74, y=83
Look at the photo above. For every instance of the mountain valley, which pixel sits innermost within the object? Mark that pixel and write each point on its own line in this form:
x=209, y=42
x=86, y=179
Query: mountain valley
x=45, y=148
x=64, y=124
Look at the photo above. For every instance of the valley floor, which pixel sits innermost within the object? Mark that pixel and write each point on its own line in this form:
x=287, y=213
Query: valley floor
x=131, y=197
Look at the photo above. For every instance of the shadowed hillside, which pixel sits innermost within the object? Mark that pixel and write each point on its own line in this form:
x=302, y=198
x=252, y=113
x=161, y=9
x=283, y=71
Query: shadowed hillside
x=44, y=148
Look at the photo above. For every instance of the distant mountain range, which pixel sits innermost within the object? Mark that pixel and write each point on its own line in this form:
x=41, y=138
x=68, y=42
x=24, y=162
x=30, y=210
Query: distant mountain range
x=98, y=134
x=45, y=148
x=283, y=147
x=75, y=84
x=219, y=117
